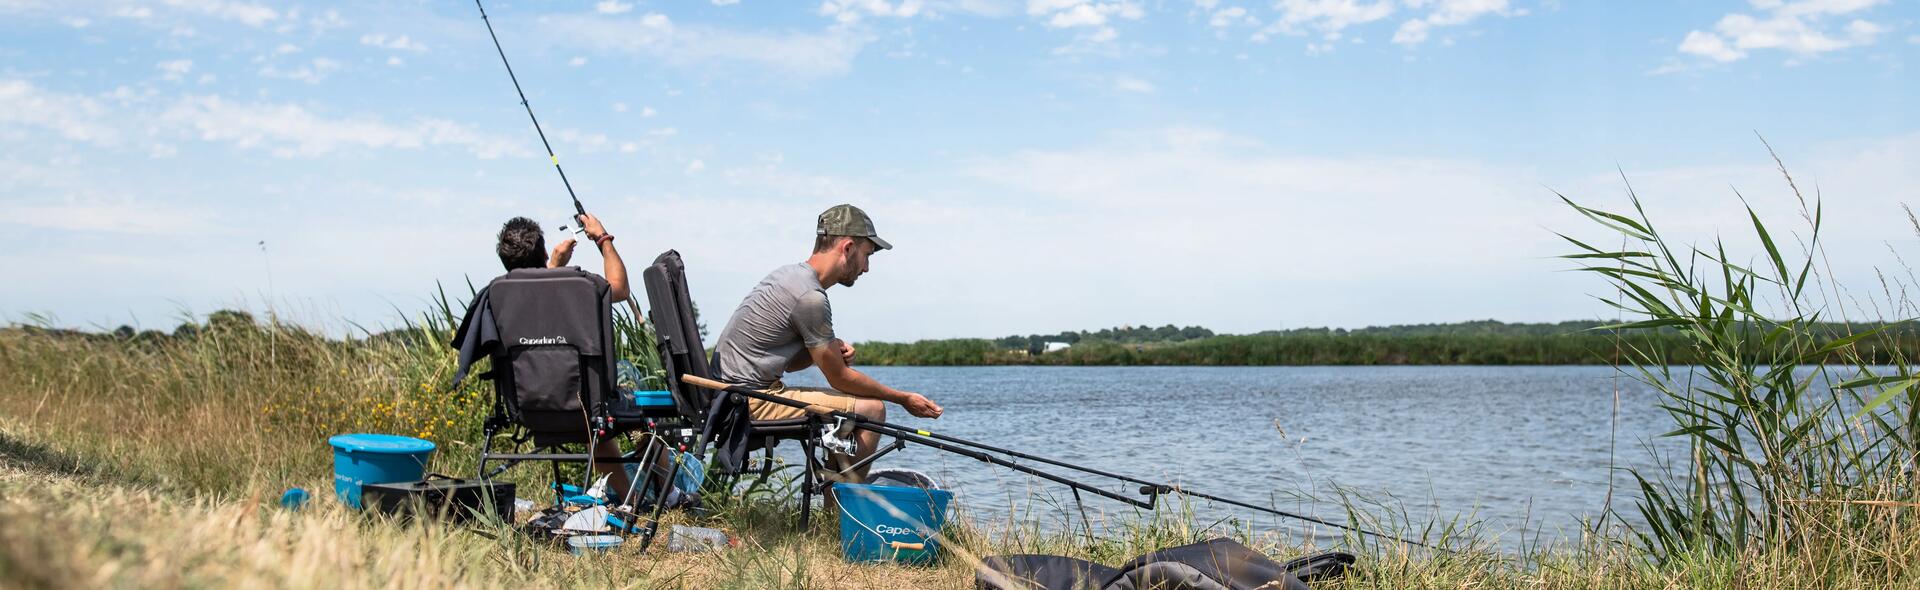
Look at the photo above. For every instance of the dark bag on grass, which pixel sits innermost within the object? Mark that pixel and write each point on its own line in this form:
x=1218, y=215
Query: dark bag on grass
x=1218, y=564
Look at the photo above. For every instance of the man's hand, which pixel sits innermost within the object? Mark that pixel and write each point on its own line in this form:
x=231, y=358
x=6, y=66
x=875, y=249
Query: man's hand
x=846, y=350
x=562, y=252
x=590, y=225
x=920, y=406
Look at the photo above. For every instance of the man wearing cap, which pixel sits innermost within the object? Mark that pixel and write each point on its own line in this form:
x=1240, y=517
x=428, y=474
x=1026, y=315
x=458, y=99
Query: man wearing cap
x=785, y=324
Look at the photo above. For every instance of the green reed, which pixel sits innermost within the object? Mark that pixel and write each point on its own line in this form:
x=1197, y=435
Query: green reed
x=1794, y=435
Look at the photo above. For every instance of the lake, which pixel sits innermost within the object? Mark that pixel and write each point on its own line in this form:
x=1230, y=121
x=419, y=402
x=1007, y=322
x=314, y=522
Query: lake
x=1526, y=451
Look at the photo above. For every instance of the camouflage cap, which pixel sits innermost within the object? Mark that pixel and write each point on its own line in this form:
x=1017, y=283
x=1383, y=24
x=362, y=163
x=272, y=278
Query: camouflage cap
x=848, y=220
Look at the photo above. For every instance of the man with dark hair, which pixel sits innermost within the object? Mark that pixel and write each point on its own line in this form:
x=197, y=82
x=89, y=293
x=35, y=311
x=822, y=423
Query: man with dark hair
x=523, y=245
x=785, y=325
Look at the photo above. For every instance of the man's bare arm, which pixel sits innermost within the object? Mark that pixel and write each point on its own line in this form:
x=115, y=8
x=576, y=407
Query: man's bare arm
x=828, y=357
x=615, y=270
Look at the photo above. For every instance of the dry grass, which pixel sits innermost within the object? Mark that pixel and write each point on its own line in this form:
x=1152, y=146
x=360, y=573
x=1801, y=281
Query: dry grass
x=158, y=465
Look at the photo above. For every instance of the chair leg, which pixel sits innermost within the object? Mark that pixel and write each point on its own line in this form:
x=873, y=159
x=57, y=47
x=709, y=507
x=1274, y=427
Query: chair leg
x=806, y=482
x=559, y=497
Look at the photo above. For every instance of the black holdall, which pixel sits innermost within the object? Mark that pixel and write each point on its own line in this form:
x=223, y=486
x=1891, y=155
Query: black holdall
x=442, y=497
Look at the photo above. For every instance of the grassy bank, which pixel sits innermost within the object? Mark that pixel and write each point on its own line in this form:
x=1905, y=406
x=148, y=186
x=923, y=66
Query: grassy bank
x=157, y=464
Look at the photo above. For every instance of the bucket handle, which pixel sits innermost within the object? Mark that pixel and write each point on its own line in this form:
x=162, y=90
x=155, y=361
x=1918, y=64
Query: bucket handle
x=897, y=545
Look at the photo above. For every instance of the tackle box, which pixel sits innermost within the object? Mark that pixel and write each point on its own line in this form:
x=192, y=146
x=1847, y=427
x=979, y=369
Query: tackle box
x=439, y=496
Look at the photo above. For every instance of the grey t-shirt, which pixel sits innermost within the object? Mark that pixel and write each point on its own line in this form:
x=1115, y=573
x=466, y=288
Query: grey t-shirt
x=781, y=317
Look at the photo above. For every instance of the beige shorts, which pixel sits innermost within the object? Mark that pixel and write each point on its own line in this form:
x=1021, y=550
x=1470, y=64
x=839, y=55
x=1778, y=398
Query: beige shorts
x=763, y=411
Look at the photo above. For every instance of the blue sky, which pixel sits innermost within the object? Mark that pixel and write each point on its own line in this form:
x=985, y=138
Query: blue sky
x=1042, y=165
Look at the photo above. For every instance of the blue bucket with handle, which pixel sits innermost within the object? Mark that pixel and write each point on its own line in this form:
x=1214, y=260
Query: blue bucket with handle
x=890, y=523
x=360, y=459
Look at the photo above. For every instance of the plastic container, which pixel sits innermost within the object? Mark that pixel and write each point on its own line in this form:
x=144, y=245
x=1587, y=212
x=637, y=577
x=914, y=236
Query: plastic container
x=869, y=531
x=593, y=543
x=691, y=539
x=653, y=398
x=360, y=459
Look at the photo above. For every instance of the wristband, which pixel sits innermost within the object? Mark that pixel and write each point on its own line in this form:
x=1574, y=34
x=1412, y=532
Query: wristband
x=603, y=239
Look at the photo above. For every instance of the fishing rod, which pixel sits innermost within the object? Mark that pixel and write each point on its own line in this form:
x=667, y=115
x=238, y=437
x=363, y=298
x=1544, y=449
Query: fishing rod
x=579, y=210
x=529, y=106
x=940, y=441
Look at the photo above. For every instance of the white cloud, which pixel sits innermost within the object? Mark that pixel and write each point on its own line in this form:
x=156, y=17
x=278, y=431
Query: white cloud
x=1710, y=46
x=119, y=214
x=251, y=14
x=73, y=117
x=78, y=22
x=312, y=72
x=619, y=107
x=1096, y=15
x=1448, y=13
x=647, y=112
x=286, y=48
x=1327, y=17
x=654, y=35
x=848, y=11
x=1226, y=17
x=696, y=166
x=1800, y=28
x=288, y=130
x=397, y=42
x=577, y=61
x=725, y=2
x=394, y=60
x=612, y=7
x=1132, y=84
x=175, y=69
x=133, y=12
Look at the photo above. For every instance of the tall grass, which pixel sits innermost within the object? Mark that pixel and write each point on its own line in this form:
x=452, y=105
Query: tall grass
x=1797, y=442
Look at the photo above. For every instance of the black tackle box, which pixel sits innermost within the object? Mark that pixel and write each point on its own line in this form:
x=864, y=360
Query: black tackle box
x=439, y=496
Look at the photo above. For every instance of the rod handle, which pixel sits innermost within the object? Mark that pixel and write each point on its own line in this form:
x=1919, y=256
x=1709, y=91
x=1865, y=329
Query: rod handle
x=718, y=386
x=912, y=546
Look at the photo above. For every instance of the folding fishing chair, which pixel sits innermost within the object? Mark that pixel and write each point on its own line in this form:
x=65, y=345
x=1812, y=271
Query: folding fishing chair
x=549, y=335
x=724, y=419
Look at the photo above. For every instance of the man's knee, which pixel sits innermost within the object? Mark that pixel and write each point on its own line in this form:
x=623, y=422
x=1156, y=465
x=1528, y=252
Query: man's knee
x=871, y=409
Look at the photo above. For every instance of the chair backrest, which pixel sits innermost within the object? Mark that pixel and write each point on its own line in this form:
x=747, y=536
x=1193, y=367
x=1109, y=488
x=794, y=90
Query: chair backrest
x=677, y=332
x=555, y=362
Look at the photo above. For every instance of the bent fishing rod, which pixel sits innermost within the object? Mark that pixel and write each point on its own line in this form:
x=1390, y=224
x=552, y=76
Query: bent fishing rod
x=954, y=445
x=579, y=210
x=529, y=106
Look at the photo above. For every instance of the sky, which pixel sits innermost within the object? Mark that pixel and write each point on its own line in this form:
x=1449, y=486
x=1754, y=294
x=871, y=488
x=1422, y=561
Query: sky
x=1040, y=165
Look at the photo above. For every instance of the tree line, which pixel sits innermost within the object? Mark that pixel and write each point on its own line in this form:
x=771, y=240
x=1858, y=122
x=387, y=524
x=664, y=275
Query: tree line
x=1468, y=343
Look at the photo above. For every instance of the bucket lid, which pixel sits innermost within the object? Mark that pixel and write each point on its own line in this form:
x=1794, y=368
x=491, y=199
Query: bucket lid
x=389, y=444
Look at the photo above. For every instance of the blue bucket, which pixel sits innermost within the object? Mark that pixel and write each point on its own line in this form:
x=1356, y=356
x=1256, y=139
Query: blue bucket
x=360, y=459
x=871, y=532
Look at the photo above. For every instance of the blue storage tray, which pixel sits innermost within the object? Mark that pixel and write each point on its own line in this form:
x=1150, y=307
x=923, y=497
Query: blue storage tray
x=651, y=398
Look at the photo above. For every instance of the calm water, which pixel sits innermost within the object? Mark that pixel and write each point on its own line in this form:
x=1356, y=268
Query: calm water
x=1525, y=450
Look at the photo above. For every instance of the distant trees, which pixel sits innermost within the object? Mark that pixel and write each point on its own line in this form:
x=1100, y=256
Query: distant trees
x=1485, y=342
